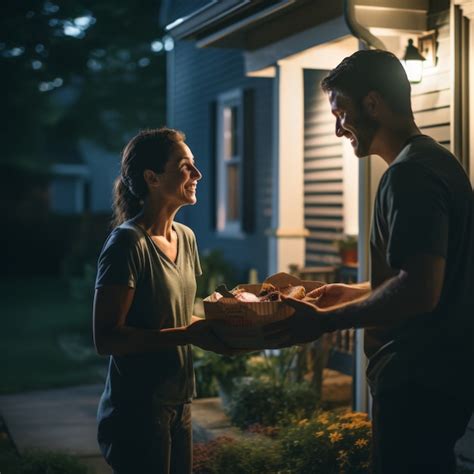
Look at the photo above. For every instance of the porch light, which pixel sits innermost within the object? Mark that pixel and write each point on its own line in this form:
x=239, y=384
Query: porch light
x=413, y=63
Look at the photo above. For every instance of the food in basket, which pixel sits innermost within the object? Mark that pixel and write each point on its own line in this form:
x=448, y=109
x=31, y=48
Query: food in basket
x=243, y=311
x=268, y=292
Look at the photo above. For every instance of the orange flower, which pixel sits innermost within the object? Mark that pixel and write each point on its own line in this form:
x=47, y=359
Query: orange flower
x=335, y=437
x=360, y=443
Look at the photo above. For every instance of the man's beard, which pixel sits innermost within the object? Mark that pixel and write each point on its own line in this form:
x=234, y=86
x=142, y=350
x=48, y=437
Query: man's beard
x=366, y=128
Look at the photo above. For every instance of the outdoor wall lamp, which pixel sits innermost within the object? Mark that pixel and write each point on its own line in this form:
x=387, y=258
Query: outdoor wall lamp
x=416, y=59
x=413, y=63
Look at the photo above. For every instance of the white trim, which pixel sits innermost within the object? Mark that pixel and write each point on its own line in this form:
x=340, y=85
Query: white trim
x=287, y=242
x=225, y=227
x=271, y=54
x=467, y=7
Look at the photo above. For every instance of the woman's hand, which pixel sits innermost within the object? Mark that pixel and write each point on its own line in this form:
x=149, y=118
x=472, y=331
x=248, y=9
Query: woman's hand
x=201, y=334
x=338, y=293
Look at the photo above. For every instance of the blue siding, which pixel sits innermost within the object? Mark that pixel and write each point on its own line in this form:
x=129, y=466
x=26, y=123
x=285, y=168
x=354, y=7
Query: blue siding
x=198, y=76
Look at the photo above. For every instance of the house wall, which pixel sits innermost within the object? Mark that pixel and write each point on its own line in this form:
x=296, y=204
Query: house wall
x=323, y=175
x=198, y=76
x=431, y=98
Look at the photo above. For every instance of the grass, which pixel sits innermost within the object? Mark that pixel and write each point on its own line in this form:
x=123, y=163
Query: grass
x=46, y=336
x=38, y=462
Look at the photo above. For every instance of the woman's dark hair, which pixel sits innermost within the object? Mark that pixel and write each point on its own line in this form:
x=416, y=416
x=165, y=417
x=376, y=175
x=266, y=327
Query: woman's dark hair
x=372, y=70
x=149, y=150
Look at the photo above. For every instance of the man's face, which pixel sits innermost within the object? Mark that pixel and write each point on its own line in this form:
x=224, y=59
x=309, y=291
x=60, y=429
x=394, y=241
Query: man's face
x=353, y=122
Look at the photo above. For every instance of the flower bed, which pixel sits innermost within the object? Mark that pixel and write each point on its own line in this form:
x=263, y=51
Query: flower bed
x=330, y=442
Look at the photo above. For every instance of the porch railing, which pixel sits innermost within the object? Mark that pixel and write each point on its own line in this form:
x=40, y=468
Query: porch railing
x=341, y=343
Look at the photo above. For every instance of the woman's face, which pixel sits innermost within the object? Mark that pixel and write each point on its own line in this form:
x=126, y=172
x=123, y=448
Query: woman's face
x=179, y=180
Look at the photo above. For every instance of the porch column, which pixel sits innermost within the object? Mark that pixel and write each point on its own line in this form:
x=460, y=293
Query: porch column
x=287, y=233
x=371, y=169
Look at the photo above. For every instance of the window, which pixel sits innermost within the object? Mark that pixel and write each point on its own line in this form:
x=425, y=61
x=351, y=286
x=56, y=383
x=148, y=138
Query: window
x=229, y=163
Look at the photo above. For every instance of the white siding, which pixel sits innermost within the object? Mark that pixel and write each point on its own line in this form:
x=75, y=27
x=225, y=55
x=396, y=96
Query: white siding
x=323, y=188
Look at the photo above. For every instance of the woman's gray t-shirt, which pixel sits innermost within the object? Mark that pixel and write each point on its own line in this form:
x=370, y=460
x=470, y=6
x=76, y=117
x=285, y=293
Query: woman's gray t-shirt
x=164, y=298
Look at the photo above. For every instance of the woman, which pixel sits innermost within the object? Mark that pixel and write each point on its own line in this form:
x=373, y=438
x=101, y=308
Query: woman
x=145, y=292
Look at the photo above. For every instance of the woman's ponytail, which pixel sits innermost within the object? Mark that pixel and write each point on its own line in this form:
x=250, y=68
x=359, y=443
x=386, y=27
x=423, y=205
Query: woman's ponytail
x=125, y=204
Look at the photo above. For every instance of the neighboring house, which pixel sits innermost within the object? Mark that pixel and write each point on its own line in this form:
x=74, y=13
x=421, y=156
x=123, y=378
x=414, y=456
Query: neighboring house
x=82, y=179
x=243, y=83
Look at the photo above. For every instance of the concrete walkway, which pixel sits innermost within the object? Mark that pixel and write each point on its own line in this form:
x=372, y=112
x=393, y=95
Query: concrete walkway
x=64, y=420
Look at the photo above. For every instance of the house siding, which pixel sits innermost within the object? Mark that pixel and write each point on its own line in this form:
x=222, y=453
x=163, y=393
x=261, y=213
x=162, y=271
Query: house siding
x=323, y=186
x=431, y=98
x=199, y=76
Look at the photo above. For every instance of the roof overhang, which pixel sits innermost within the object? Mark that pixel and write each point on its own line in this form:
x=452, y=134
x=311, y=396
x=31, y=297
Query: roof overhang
x=251, y=25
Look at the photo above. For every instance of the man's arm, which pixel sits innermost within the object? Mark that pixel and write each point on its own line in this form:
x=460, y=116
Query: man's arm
x=339, y=293
x=415, y=290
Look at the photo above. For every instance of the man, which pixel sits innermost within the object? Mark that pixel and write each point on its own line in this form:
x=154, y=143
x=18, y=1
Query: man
x=418, y=307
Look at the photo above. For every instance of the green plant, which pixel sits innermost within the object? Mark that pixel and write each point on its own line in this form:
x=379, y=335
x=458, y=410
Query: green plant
x=206, y=385
x=347, y=242
x=275, y=366
x=333, y=442
x=254, y=455
x=216, y=270
x=213, y=369
x=269, y=404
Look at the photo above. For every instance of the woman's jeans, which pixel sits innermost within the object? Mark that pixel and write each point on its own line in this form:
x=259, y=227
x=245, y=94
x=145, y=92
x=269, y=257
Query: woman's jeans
x=165, y=448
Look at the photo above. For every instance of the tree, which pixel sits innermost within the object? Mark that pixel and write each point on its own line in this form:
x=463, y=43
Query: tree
x=76, y=69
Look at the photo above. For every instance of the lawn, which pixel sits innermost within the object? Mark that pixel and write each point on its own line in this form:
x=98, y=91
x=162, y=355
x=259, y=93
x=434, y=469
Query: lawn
x=46, y=336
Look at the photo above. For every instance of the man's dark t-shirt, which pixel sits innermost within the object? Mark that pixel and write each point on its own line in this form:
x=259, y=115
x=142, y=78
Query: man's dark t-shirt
x=424, y=205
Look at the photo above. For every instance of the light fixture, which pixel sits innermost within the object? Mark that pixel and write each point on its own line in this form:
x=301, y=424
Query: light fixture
x=413, y=63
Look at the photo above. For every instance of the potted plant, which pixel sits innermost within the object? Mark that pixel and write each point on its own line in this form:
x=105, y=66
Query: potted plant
x=347, y=246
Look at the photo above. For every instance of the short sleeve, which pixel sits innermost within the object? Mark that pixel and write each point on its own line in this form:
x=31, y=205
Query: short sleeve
x=416, y=209
x=119, y=260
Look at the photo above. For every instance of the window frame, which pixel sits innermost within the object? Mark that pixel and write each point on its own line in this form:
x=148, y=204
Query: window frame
x=224, y=226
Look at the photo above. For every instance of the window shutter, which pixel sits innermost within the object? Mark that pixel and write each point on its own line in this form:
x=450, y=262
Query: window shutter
x=212, y=177
x=248, y=194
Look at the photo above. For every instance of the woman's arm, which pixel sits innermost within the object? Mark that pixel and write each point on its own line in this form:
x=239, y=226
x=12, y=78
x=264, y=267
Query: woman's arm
x=113, y=337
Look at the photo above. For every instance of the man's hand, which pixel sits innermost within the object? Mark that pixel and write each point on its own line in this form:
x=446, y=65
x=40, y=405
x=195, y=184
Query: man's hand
x=201, y=334
x=338, y=293
x=305, y=325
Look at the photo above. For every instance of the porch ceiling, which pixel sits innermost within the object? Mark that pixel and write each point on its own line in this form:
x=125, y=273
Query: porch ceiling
x=251, y=25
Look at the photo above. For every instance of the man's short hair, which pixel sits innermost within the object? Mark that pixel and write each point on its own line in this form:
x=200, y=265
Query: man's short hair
x=371, y=70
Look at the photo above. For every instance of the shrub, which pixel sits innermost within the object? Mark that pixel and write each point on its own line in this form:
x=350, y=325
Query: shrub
x=214, y=370
x=336, y=442
x=204, y=455
x=268, y=404
x=253, y=455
